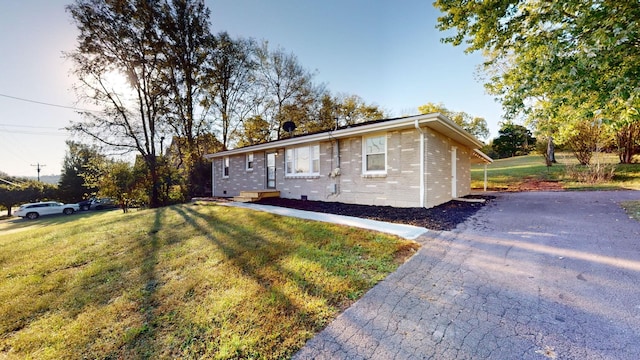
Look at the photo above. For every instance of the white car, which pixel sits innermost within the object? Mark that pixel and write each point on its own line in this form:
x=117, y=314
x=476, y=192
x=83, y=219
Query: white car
x=35, y=210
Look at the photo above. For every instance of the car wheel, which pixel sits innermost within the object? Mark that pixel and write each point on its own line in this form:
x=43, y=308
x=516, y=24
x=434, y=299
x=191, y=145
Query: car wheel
x=67, y=211
x=32, y=215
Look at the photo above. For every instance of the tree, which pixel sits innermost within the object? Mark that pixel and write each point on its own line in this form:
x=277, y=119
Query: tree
x=542, y=56
x=72, y=187
x=284, y=85
x=187, y=47
x=584, y=138
x=200, y=178
x=476, y=126
x=256, y=130
x=122, y=38
x=118, y=182
x=25, y=192
x=513, y=140
x=324, y=116
x=352, y=109
x=231, y=84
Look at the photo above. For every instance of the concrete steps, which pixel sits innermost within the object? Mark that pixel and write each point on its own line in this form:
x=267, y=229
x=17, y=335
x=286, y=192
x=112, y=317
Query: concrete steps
x=255, y=195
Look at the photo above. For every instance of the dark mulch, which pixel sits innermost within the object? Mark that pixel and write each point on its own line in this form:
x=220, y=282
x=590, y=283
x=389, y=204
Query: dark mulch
x=442, y=217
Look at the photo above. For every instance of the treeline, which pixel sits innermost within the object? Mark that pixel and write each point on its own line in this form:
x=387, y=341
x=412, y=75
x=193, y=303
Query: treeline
x=567, y=69
x=160, y=79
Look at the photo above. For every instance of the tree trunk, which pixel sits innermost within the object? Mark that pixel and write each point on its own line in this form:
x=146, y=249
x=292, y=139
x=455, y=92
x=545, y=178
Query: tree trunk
x=627, y=147
x=154, y=199
x=551, y=150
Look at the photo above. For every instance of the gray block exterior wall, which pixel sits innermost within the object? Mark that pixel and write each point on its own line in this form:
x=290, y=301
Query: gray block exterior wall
x=400, y=187
x=438, y=169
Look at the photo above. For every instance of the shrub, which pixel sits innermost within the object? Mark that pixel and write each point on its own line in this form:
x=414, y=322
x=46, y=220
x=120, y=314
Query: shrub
x=592, y=174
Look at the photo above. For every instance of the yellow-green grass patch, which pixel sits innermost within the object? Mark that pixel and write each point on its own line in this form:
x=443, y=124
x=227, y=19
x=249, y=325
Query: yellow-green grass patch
x=632, y=208
x=187, y=281
x=511, y=173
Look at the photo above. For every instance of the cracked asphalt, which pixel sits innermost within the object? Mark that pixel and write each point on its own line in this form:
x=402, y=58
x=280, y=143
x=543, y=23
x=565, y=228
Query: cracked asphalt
x=534, y=275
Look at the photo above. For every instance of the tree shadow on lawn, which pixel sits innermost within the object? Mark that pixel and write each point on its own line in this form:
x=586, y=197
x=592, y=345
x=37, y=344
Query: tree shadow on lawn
x=248, y=247
x=81, y=295
x=249, y=252
x=316, y=241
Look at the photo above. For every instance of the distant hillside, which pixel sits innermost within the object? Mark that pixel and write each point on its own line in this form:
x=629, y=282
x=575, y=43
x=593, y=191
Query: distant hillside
x=48, y=179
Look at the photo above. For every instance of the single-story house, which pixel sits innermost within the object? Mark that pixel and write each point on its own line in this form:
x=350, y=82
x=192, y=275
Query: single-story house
x=414, y=161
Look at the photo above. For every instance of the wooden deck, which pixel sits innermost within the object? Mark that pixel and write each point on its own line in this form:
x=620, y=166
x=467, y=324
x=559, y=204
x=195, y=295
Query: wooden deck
x=254, y=195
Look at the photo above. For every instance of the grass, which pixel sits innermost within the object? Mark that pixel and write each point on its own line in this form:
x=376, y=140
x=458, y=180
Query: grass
x=510, y=174
x=632, y=208
x=187, y=281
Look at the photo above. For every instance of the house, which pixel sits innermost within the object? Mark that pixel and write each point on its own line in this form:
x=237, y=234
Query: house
x=414, y=161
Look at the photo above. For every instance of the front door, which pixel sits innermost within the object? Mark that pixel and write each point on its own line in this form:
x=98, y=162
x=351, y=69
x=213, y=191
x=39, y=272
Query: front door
x=271, y=170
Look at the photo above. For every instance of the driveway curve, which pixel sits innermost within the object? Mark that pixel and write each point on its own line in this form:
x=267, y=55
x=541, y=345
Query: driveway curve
x=537, y=275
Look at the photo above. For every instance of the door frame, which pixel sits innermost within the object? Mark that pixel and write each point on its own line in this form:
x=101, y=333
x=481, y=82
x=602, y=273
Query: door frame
x=266, y=167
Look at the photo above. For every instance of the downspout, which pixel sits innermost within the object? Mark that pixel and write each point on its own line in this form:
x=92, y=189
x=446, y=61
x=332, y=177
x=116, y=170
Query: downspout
x=422, y=196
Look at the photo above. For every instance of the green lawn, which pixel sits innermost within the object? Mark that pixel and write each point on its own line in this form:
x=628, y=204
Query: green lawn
x=187, y=281
x=509, y=174
x=632, y=208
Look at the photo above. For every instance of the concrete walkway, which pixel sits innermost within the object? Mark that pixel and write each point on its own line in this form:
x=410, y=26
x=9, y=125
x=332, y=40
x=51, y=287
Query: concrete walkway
x=530, y=276
x=405, y=231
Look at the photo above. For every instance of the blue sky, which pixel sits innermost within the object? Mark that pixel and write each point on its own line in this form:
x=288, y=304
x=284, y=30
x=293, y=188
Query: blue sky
x=388, y=53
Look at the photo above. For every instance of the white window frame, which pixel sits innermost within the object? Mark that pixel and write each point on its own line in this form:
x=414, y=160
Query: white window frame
x=226, y=165
x=365, y=170
x=249, y=161
x=291, y=159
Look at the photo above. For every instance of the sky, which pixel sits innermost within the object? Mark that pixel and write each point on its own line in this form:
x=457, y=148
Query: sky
x=387, y=52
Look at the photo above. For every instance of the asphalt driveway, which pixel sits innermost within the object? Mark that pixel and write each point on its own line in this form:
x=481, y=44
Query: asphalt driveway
x=538, y=275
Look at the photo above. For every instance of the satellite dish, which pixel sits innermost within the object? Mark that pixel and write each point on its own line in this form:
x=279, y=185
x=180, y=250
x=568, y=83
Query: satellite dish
x=289, y=126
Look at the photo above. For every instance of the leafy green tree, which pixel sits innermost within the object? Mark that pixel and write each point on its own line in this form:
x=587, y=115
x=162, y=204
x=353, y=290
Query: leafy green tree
x=513, y=140
x=542, y=56
x=476, y=126
x=72, y=187
x=324, y=116
x=188, y=53
x=284, y=85
x=122, y=38
x=119, y=183
x=231, y=84
x=584, y=138
x=352, y=109
x=326, y=112
x=256, y=130
x=200, y=175
x=20, y=193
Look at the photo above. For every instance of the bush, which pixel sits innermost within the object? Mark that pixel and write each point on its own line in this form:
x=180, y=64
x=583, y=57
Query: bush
x=592, y=174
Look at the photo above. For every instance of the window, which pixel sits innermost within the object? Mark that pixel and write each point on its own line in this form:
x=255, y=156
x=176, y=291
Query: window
x=250, y=161
x=303, y=160
x=375, y=153
x=225, y=167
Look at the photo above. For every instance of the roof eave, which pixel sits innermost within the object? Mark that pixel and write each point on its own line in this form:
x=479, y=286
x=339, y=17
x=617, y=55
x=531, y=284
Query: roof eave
x=447, y=126
x=484, y=158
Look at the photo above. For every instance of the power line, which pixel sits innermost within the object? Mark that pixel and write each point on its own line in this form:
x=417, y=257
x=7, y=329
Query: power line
x=33, y=133
x=45, y=103
x=30, y=126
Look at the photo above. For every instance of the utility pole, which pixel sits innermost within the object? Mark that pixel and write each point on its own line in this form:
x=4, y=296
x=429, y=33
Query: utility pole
x=39, y=167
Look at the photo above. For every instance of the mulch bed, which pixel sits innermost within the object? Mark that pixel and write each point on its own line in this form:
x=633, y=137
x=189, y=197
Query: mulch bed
x=442, y=217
